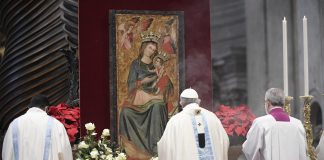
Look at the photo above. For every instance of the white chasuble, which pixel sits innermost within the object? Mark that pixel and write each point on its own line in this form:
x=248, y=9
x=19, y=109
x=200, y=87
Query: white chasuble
x=180, y=140
x=269, y=139
x=36, y=136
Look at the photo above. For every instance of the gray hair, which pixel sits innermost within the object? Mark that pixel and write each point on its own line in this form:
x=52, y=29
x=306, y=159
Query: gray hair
x=275, y=96
x=186, y=101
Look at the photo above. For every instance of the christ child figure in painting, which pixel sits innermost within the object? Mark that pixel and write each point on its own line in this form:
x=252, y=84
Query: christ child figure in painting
x=163, y=79
x=162, y=85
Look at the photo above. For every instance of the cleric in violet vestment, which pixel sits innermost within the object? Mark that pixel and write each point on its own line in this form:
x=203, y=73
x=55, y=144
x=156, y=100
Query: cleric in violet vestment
x=275, y=136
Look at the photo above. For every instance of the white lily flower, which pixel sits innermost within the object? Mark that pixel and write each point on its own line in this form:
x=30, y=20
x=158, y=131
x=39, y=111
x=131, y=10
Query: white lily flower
x=110, y=157
x=83, y=145
x=121, y=156
x=94, y=153
x=90, y=126
x=103, y=156
x=105, y=132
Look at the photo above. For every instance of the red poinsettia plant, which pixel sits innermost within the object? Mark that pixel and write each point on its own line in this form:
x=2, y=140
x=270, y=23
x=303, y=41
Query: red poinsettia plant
x=69, y=117
x=236, y=120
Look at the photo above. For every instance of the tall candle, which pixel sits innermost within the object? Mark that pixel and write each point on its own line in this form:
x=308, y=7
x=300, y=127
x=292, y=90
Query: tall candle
x=285, y=59
x=306, y=89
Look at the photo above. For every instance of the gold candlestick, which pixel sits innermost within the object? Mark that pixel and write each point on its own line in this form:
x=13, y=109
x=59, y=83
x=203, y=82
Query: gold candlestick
x=308, y=127
x=287, y=104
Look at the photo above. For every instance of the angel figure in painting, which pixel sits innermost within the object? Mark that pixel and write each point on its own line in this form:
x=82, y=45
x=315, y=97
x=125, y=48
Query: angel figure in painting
x=126, y=29
x=168, y=37
x=144, y=115
x=145, y=24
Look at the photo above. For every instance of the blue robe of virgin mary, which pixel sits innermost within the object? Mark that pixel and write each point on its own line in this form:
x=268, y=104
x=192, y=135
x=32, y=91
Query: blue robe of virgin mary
x=143, y=125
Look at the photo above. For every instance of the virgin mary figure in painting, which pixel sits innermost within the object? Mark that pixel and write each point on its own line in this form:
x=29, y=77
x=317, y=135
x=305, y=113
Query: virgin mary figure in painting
x=144, y=115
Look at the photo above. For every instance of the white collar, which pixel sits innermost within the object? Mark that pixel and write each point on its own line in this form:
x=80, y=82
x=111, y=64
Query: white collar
x=192, y=108
x=36, y=109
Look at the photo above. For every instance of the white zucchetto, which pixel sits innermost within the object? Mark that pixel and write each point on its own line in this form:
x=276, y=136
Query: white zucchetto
x=189, y=93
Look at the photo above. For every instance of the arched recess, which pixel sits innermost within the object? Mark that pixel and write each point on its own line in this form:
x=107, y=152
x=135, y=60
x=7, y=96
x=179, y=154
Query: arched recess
x=316, y=120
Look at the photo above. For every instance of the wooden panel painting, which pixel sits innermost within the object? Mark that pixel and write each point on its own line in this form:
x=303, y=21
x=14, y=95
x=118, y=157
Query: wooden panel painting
x=146, y=63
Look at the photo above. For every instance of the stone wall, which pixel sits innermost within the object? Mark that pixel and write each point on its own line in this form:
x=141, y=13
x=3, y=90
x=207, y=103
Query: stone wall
x=228, y=51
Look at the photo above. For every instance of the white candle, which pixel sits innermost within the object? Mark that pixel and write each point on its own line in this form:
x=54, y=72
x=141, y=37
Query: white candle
x=285, y=59
x=306, y=89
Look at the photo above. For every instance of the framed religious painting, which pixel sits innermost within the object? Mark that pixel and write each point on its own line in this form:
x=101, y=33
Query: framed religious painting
x=146, y=75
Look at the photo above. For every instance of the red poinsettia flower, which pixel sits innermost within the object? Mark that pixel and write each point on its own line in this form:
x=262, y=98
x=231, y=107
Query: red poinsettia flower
x=69, y=117
x=71, y=133
x=236, y=120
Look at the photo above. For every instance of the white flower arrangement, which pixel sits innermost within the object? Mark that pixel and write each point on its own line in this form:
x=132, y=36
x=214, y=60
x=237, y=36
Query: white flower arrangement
x=91, y=149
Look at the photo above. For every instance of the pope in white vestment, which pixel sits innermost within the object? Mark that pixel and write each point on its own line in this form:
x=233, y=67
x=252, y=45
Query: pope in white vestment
x=193, y=134
x=36, y=136
x=275, y=136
